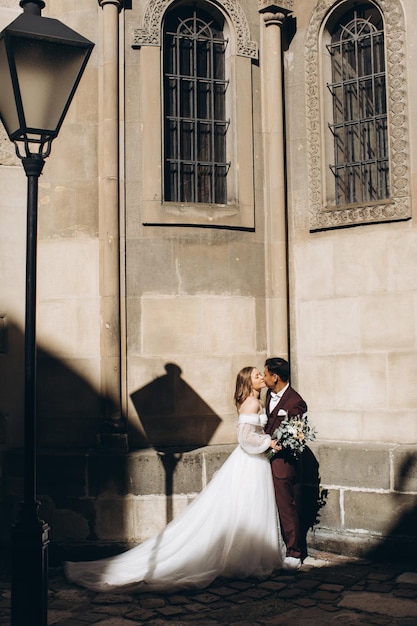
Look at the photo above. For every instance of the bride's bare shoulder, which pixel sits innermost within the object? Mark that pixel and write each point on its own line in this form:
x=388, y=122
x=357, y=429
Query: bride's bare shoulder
x=250, y=405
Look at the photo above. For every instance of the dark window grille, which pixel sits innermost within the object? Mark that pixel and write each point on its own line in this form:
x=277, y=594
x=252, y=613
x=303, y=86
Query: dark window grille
x=360, y=125
x=195, y=108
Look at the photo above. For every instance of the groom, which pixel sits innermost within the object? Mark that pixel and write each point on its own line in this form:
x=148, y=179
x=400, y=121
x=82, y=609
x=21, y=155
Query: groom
x=283, y=400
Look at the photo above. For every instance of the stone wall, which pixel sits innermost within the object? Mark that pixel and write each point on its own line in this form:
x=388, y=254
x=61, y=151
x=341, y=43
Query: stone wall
x=356, y=499
x=367, y=498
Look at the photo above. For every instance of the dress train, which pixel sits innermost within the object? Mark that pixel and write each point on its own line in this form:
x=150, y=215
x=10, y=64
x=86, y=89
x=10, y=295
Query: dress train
x=231, y=529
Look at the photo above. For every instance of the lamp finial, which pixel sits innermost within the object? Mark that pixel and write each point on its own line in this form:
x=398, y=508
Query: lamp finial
x=32, y=6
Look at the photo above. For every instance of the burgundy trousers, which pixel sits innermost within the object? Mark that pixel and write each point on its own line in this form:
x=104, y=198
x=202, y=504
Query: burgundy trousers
x=288, y=514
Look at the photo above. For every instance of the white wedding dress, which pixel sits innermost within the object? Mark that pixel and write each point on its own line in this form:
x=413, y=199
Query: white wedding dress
x=231, y=529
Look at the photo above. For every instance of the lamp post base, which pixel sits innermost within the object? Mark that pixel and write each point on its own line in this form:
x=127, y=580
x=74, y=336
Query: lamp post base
x=29, y=601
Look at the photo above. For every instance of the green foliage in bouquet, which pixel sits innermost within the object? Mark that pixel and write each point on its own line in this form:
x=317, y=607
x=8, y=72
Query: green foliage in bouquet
x=293, y=434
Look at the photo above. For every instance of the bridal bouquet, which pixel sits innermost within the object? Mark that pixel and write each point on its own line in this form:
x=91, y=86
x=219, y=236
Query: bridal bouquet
x=293, y=434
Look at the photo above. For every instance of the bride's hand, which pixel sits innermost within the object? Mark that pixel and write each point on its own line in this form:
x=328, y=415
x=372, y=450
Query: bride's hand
x=275, y=445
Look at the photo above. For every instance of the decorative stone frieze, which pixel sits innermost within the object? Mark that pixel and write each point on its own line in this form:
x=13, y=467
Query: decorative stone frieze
x=398, y=207
x=150, y=35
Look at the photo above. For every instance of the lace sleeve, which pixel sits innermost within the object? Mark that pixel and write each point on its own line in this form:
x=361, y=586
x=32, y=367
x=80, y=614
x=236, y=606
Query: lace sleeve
x=253, y=439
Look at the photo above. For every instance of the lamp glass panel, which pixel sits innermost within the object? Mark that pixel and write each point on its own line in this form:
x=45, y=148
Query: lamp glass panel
x=47, y=73
x=8, y=111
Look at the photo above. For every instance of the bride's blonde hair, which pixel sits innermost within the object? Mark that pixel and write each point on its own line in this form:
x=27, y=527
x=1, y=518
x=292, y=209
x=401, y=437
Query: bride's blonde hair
x=243, y=385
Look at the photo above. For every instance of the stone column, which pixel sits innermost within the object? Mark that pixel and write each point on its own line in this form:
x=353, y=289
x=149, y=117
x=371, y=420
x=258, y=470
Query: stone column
x=113, y=432
x=276, y=257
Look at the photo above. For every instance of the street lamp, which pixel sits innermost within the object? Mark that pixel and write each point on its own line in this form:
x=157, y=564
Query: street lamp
x=41, y=64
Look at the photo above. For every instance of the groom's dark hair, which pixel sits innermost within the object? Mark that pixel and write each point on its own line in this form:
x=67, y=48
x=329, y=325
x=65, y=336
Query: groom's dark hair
x=279, y=366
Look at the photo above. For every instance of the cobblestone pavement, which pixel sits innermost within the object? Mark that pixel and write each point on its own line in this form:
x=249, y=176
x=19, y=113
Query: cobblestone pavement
x=328, y=589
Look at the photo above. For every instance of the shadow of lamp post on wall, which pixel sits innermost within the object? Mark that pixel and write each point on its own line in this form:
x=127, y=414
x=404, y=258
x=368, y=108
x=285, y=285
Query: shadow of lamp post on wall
x=41, y=64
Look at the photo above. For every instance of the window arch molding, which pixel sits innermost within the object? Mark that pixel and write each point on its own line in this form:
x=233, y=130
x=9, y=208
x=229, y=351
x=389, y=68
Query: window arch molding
x=238, y=211
x=398, y=206
x=150, y=35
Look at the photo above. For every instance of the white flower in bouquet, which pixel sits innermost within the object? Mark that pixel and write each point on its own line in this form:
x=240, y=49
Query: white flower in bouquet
x=293, y=434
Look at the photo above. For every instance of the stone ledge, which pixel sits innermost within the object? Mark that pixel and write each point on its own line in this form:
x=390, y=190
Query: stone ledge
x=362, y=545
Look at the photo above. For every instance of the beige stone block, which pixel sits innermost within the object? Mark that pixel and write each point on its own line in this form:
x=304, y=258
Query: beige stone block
x=358, y=465
x=225, y=433
x=151, y=267
x=328, y=326
x=329, y=514
x=402, y=368
x=149, y=514
x=275, y=263
x=359, y=264
x=133, y=316
x=385, y=513
x=389, y=426
x=299, y=200
x=261, y=330
x=150, y=111
x=313, y=267
x=201, y=264
x=67, y=267
x=401, y=260
x=213, y=379
x=213, y=458
x=68, y=210
x=12, y=199
x=405, y=468
x=276, y=326
x=198, y=325
x=388, y=321
x=338, y=425
x=143, y=371
x=69, y=327
x=360, y=382
x=74, y=154
x=172, y=325
x=229, y=325
x=243, y=111
x=168, y=408
x=210, y=382
x=12, y=238
x=316, y=383
x=134, y=157
x=133, y=93
x=109, y=527
x=7, y=15
x=69, y=401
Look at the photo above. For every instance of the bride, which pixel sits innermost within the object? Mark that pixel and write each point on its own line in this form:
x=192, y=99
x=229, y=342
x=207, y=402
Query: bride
x=231, y=529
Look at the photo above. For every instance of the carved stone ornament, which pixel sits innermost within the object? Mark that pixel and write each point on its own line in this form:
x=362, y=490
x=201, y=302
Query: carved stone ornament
x=398, y=207
x=150, y=33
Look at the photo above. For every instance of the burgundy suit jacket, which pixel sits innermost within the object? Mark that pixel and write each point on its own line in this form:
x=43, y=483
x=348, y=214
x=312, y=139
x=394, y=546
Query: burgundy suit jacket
x=284, y=465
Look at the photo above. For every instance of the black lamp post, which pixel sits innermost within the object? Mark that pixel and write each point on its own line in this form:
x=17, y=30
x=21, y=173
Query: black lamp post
x=41, y=64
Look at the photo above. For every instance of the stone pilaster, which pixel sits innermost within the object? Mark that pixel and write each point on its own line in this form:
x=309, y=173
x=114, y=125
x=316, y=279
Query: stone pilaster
x=113, y=433
x=276, y=266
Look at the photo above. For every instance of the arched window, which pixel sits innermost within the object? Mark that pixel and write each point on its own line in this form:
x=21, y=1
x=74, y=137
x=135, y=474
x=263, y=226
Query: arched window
x=359, y=104
x=195, y=166
x=357, y=114
x=193, y=115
